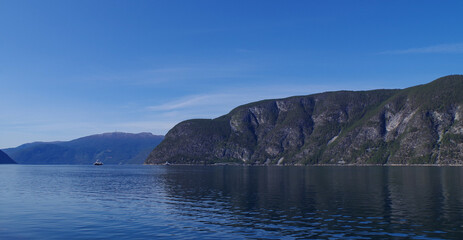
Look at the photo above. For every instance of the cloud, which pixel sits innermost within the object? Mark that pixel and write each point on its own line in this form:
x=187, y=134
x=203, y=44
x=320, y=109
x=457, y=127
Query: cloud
x=51, y=124
x=182, y=103
x=441, y=48
x=208, y=105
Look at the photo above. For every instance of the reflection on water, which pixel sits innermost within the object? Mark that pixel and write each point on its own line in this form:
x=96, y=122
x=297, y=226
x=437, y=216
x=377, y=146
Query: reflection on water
x=230, y=202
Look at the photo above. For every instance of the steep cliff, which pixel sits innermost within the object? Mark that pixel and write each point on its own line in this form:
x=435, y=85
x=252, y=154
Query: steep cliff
x=421, y=124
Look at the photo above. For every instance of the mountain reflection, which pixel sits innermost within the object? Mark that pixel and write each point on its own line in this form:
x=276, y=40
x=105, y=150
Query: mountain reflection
x=321, y=201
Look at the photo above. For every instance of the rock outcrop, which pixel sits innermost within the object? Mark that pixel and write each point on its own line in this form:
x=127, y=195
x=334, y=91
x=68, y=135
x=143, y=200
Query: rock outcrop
x=421, y=124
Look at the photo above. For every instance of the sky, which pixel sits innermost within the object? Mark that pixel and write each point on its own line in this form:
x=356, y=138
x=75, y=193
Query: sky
x=74, y=68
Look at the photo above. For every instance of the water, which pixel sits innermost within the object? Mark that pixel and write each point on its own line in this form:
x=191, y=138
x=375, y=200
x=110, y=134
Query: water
x=230, y=202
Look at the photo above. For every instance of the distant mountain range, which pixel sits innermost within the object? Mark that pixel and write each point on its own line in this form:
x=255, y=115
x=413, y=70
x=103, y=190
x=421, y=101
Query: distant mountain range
x=110, y=148
x=5, y=159
x=416, y=125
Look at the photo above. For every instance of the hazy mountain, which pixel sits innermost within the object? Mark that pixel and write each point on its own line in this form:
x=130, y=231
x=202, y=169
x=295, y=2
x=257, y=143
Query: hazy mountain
x=110, y=148
x=5, y=159
x=421, y=124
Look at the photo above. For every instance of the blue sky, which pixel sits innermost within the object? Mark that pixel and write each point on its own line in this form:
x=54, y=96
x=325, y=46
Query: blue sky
x=75, y=68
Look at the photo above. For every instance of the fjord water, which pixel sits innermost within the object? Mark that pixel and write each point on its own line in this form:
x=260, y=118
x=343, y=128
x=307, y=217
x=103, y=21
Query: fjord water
x=210, y=202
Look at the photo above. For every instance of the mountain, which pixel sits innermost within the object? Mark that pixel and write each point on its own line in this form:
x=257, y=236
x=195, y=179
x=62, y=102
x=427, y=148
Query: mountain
x=110, y=148
x=5, y=159
x=416, y=125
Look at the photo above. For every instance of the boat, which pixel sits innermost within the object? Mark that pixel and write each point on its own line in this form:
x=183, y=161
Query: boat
x=98, y=163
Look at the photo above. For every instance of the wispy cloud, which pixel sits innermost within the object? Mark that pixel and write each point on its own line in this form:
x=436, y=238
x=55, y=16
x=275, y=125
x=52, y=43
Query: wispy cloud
x=51, y=124
x=182, y=103
x=209, y=104
x=441, y=48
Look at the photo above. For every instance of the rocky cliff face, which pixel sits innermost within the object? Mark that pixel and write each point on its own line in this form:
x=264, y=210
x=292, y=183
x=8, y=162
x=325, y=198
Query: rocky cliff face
x=421, y=124
x=5, y=159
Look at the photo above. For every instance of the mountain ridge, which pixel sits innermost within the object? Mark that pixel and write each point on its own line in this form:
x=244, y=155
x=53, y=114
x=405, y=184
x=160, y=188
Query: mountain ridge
x=5, y=159
x=416, y=125
x=111, y=148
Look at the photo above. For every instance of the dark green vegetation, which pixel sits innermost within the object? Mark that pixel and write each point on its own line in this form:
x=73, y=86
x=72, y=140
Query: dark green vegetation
x=5, y=159
x=110, y=148
x=417, y=125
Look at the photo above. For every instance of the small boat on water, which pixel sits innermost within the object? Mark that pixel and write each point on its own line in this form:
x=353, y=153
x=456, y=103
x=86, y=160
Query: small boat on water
x=98, y=163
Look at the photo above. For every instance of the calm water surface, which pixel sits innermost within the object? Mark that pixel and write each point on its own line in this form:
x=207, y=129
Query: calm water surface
x=211, y=202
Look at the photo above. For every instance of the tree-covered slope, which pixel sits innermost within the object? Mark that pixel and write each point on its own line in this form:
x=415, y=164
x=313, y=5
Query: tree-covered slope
x=421, y=124
x=110, y=148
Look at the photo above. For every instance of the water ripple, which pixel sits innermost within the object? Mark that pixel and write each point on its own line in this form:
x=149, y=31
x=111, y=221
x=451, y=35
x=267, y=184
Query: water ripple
x=226, y=202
